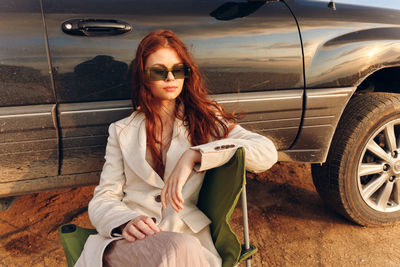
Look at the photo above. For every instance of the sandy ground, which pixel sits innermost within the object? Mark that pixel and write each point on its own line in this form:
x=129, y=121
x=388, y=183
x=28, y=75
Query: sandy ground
x=288, y=222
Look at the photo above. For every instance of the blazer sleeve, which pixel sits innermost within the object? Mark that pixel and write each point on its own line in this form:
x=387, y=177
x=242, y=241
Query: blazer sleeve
x=106, y=209
x=260, y=152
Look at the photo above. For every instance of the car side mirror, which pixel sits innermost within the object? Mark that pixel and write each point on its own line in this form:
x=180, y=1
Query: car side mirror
x=234, y=10
x=332, y=5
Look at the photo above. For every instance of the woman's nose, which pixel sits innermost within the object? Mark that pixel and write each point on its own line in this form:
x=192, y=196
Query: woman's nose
x=170, y=76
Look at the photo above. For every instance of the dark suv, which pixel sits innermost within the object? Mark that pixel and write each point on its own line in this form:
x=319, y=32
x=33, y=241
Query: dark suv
x=318, y=77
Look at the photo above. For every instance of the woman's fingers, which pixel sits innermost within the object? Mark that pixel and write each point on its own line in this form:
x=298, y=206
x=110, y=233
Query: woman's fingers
x=134, y=231
x=128, y=237
x=170, y=200
x=176, y=191
x=163, y=196
x=144, y=228
x=139, y=228
x=174, y=203
x=152, y=225
x=173, y=193
x=128, y=234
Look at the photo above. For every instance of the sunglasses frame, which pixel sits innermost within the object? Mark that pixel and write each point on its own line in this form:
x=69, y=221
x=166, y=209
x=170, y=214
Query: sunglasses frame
x=186, y=69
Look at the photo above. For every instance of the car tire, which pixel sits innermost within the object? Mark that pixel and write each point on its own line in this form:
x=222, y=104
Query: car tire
x=361, y=176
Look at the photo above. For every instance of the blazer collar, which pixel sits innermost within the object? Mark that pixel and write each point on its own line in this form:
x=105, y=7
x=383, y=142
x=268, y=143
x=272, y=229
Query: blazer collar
x=132, y=139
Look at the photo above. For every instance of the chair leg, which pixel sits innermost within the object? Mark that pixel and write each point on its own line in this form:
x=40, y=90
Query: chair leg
x=245, y=224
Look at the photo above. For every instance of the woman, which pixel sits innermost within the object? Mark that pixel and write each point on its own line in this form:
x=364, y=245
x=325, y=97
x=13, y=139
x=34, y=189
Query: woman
x=144, y=207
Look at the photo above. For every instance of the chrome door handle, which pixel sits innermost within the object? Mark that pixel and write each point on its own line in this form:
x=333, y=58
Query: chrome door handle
x=95, y=27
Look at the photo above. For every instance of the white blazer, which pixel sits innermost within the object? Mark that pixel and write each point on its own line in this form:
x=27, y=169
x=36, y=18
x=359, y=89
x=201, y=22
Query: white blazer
x=129, y=187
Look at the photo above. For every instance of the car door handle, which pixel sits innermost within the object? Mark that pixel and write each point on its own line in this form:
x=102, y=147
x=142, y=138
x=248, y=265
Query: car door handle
x=95, y=27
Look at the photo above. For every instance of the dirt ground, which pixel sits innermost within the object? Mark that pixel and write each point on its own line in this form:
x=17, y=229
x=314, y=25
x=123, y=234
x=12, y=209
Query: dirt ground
x=288, y=222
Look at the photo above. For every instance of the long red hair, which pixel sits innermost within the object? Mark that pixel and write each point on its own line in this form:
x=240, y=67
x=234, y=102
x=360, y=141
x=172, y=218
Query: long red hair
x=204, y=118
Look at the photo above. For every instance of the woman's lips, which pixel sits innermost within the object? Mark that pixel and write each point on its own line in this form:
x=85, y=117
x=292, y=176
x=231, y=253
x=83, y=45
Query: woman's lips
x=170, y=88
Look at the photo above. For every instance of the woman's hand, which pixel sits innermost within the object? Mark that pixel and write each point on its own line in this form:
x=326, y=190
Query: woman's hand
x=139, y=228
x=175, y=182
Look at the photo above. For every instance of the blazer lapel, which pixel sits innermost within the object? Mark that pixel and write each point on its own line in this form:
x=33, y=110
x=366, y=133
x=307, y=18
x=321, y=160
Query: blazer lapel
x=132, y=137
x=179, y=144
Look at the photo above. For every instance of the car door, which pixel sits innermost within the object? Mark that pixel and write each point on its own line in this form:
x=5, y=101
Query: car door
x=28, y=137
x=252, y=63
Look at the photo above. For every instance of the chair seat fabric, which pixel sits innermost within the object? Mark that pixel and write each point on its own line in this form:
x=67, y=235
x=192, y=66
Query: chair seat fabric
x=73, y=240
x=218, y=197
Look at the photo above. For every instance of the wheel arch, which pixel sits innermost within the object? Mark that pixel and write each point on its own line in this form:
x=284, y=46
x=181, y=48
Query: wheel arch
x=315, y=139
x=383, y=80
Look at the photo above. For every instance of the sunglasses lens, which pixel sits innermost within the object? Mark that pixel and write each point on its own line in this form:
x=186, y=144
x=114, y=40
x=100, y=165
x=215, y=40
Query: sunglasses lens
x=161, y=73
x=158, y=73
x=179, y=72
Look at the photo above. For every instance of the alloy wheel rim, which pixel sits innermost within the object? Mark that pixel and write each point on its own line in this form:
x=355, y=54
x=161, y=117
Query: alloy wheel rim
x=379, y=169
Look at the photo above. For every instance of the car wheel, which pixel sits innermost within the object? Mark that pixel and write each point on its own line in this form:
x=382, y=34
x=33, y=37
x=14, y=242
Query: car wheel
x=361, y=177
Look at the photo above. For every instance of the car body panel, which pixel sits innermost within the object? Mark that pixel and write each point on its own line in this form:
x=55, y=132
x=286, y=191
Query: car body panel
x=342, y=47
x=324, y=108
x=90, y=71
x=28, y=134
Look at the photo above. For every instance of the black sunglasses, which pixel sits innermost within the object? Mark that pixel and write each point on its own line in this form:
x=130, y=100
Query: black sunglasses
x=157, y=73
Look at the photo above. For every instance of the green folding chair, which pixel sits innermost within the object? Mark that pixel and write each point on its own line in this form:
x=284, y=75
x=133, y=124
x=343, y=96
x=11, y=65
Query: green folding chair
x=218, y=197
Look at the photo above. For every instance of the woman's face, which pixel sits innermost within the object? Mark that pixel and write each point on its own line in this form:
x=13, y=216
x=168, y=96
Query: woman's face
x=169, y=88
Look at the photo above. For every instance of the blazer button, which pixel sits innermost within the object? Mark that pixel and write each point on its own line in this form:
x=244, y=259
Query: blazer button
x=154, y=219
x=157, y=198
